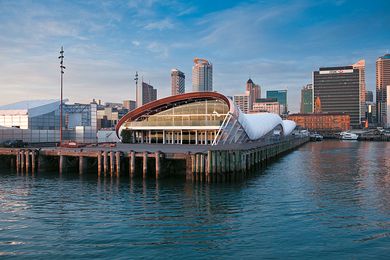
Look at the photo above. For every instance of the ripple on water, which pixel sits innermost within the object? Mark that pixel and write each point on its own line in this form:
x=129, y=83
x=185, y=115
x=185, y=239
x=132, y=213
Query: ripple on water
x=327, y=199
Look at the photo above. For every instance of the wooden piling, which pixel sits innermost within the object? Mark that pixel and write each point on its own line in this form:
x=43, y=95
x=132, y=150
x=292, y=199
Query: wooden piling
x=33, y=161
x=105, y=162
x=61, y=164
x=201, y=167
x=145, y=164
x=189, y=171
x=17, y=161
x=209, y=171
x=118, y=163
x=132, y=163
x=112, y=163
x=82, y=164
x=193, y=167
x=99, y=163
x=27, y=154
x=157, y=156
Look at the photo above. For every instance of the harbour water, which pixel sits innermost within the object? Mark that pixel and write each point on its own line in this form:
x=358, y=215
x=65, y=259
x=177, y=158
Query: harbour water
x=328, y=200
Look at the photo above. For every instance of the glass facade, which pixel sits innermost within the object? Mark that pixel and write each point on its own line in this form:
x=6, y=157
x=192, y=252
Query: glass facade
x=201, y=113
x=200, y=121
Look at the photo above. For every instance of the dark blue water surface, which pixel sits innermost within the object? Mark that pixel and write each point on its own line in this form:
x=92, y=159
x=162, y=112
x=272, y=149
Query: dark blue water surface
x=324, y=200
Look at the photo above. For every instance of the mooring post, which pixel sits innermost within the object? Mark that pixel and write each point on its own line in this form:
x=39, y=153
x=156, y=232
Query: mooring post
x=132, y=163
x=112, y=163
x=158, y=164
x=99, y=162
x=118, y=163
x=145, y=164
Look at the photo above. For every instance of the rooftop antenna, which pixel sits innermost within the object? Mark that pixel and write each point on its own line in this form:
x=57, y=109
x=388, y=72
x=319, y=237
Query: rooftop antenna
x=136, y=86
x=62, y=67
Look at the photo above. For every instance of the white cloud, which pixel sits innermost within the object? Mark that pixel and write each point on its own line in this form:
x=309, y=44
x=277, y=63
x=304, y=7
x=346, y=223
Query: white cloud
x=159, y=25
x=136, y=43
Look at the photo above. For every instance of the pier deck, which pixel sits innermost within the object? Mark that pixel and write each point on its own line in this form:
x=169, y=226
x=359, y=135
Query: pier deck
x=198, y=163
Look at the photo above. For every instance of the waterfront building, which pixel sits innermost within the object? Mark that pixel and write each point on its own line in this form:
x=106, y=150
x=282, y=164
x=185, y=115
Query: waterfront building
x=254, y=92
x=200, y=118
x=361, y=66
x=323, y=122
x=146, y=93
x=339, y=91
x=281, y=96
x=387, y=118
x=45, y=115
x=129, y=104
x=202, y=75
x=243, y=101
x=107, y=117
x=382, y=81
x=39, y=121
x=369, y=96
x=307, y=99
x=177, y=82
x=270, y=105
x=371, y=112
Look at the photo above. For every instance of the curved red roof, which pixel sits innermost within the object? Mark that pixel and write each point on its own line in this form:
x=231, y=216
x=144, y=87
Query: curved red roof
x=136, y=113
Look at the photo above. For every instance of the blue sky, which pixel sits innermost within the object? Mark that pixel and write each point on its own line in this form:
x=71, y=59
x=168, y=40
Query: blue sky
x=277, y=43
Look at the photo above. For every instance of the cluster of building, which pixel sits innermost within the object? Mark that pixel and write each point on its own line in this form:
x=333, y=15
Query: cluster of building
x=337, y=99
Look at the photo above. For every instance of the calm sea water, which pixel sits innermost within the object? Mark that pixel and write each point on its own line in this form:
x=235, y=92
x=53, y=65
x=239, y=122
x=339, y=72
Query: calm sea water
x=324, y=200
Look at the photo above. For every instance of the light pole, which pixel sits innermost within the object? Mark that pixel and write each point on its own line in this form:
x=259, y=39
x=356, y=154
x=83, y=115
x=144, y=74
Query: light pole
x=136, y=88
x=62, y=67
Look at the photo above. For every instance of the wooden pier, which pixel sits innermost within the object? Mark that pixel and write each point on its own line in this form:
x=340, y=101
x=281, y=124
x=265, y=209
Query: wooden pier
x=203, y=164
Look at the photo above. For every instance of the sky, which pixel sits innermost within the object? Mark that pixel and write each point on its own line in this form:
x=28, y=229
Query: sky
x=276, y=43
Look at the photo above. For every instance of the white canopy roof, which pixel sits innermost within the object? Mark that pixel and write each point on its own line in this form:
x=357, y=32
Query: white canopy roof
x=259, y=124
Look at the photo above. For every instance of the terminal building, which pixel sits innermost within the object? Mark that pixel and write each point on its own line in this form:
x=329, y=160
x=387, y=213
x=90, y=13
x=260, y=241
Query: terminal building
x=200, y=118
x=39, y=121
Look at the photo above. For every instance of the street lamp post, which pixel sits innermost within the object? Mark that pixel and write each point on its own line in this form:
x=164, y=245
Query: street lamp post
x=62, y=67
x=136, y=88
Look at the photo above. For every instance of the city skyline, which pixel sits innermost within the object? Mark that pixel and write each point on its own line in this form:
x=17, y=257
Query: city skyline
x=105, y=43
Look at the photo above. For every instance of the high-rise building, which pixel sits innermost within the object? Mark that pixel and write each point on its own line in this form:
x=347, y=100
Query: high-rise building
x=281, y=97
x=270, y=105
x=338, y=88
x=361, y=66
x=382, y=81
x=307, y=99
x=146, y=93
x=202, y=75
x=254, y=92
x=371, y=112
x=242, y=101
x=129, y=104
x=369, y=96
x=178, y=82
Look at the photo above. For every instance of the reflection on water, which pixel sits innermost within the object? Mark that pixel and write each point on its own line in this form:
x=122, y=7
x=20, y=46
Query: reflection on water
x=327, y=199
